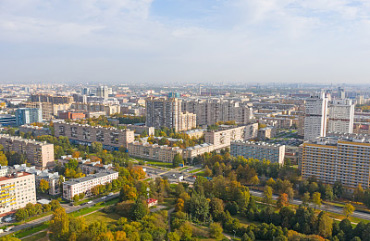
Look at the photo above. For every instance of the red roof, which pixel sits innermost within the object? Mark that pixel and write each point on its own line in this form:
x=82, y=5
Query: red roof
x=151, y=200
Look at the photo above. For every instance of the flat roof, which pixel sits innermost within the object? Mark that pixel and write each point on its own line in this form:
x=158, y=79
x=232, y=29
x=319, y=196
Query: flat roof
x=89, y=177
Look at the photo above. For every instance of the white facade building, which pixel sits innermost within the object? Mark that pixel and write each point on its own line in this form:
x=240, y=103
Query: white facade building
x=316, y=113
x=85, y=184
x=341, y=116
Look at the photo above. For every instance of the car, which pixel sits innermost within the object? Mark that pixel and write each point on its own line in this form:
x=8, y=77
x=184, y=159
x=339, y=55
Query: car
x=89, y=202
x=70, y=204
x=110, y=194
x=104, y=197
x=8, y=229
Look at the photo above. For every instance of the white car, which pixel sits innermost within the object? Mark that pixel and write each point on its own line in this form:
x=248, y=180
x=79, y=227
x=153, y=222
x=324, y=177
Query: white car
x=8, y=229
x=104, y=197
x=111, y=194
x=89, y=202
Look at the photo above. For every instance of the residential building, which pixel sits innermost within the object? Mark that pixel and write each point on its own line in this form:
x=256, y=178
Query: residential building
x=28, y=116
x=224, y=135
x=258, y=150
x=266, y=133
x=153, y=151
x=108, y=109
x=17, y=190
x=316, y=113
x=332, y=159
x=341, y=116
x=166, y=112
x=139, y=129
x=7, y=120
x=53, y=178
x=111, y=138
x=40, y=154
x=85, y=184
x=68, y=115
x=103, y=91
x=34, y=130
x=87, y=166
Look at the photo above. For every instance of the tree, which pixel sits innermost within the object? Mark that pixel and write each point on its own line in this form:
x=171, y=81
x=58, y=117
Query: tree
x=267, y=195
x=186, y=231
x=207, y=172
x=282, y=201
x=306, y=199
x=3, y=159
x=21, y=214
x=254, y=180
x=128, y=193
x=44, y=186
x=199, y=206
x=358, y=193
x=215, y=230
x=271, y=182
x=177, y=160
x=338, y=189
x=325, y=225
x=139, y=210
x=348, y=209
x=59, y=224
x=179, y=205
x=173, y=236
x=316, y=199
x=97, y=147
x=76, y=198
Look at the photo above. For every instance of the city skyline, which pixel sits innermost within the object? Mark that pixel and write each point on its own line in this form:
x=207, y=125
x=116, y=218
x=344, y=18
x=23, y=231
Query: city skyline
x=184, y=41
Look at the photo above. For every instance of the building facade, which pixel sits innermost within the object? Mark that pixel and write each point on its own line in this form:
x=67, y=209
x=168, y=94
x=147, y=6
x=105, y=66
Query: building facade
x=85, y=184
x=258, y=150
x=341, y=116
x=111, y=138
x=316, y=113
x=28, y=116
x=166, y=112
x=17, y=190
x=334, y=159
x=40, y=154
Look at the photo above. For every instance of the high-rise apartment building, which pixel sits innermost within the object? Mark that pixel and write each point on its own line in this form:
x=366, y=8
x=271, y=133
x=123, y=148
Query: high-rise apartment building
x=103, y=91
x=341, y=116
x=166, y=112
x=316, y=113
x=212, y=110
x=17, y=189
x=337, y=159
x=27, y=116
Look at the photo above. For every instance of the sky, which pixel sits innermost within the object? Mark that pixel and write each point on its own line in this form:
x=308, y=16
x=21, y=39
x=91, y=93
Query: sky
x=184, y=41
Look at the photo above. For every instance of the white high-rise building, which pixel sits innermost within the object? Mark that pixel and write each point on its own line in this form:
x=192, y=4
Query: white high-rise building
x=103, y=91
x=341, y=116
x=316, y=114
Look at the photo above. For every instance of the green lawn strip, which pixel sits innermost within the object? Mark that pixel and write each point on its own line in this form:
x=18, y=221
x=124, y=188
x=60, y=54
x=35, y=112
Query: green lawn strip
x=196, y=170
x=28, y=231
x=39, y=236
x=200, y=174
x=101, y=216
x=33, y=218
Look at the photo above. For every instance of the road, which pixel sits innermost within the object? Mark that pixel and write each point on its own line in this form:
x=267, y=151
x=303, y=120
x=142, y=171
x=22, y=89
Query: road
x=324, y=207
x=69, y=209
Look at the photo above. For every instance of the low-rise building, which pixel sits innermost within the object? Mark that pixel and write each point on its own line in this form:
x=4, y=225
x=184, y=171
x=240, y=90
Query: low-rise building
x=7, y=120
x=85, y=184
x=40, y=154
x=87, y=166
x=153, y=151
x=258, y=150
x=111, y=138
x=68, y=115
x=140, y=129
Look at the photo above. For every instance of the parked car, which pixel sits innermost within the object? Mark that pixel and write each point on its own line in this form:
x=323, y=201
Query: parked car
x=110, y=194
x=89, y=202
x=8, y=229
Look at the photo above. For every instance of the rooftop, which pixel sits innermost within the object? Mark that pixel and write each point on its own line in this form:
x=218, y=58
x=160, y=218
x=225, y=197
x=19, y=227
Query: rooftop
x=89, y=177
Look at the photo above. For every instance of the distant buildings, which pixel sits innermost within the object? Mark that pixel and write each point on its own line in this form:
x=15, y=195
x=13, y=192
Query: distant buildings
x=34, y=130
x=315, y=121
x=28, y=116
x=111, y=138
x=103, y=91
x=68, y=115
x=85, y=184
x=166, y=112
x=37, y=153
x=337, y=159
x=17, y=190
x=258, y=150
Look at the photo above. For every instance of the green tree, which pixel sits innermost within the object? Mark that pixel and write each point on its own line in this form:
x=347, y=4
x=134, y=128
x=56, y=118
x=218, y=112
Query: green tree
x=43, y=186
x=338, y=189
x=306, y=199
x=199, y=206
x=173, y=236
x=76, y=198
x=21, y=214
x=325, y=225
x=177, y=160
x=267, y=195
x=348, y=209
x=316, y=199
x=215, y=230
x=139, y=210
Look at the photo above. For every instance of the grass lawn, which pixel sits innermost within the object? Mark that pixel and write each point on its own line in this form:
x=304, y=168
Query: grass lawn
x=200, y=174
x=104, y=217
x=196, y=170
x=159, y=164
x=28, y=231
x=40, y=236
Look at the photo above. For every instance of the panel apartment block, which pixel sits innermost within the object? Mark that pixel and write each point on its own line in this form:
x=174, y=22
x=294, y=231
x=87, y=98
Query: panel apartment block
x=330, y=160
x=40, y=154
x=85, y=184
x=111, y=138
x=258, y=150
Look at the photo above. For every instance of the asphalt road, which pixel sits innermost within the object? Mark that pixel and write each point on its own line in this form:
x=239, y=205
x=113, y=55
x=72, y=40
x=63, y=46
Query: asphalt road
x=69, y=209
x=324, y=207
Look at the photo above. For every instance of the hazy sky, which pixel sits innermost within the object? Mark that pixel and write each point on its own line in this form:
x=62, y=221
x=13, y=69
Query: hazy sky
x=174, y=41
